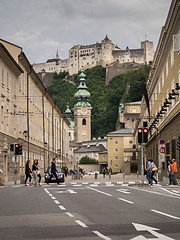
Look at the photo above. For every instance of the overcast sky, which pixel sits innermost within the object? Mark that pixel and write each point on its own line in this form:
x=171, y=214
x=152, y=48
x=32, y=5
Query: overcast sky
x=41, y=27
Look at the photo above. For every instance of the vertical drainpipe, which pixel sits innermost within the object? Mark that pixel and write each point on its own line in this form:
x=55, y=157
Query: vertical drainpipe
x=60, y=132
x=28, y=74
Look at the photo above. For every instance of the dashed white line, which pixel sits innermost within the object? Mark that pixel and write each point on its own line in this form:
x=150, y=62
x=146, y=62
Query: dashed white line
x=122, y=199
x=81, y=223
x=69, y=214
x=46, y=190
x=101, y=235
x=123, y=191
x=50, y=195
x=78, y=185
x=100, y=191
x=61, y=207
x=85, y=183
x=53, y=198
x=165, y=214
x=119, y=182
x=56, y=201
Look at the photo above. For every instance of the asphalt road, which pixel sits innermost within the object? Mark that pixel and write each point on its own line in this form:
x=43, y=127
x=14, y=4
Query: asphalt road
x=88, y=211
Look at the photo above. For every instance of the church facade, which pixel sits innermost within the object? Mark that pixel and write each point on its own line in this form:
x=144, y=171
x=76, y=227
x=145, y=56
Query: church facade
x=103, y=53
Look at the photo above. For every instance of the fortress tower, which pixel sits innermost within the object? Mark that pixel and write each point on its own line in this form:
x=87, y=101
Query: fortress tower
x=82, y=112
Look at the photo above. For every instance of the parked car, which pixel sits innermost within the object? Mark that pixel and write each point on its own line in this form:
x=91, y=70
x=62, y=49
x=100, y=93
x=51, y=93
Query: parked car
x=59, y=173
x=93, y=172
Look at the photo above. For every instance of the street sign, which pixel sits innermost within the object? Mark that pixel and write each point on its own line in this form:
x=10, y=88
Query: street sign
x=162, y=142
x=162, y=150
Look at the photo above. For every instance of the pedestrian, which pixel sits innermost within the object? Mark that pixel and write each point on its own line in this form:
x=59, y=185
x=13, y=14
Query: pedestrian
x=104, y=172
x=174, y=171
x=34, y=173
x=38, y=172
x=66, y=171
x=154, y=169
x=53, y=171
x=28, y=172
x=149, y=171
x=1, y=182
x=170, y=172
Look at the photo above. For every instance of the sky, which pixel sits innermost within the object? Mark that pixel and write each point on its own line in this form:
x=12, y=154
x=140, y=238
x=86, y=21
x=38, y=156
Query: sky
x=41, y=27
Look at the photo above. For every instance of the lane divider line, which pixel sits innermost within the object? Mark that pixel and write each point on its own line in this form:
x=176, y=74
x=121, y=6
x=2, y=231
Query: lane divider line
x=122, y=199
x=53, y=198
x=100, y=191
x=165, y=214
x=46, y=191
x=101, y=235
x=61, y=207
x=81, y=223
x=174, y=193
x=69, y=214
x=56, y=201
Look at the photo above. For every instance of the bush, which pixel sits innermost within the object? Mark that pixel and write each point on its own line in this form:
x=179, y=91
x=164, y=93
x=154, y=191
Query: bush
x=87, y=160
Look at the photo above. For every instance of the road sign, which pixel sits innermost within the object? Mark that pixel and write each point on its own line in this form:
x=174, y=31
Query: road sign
x=162, y=150
x=162, y=142
x=152, y=230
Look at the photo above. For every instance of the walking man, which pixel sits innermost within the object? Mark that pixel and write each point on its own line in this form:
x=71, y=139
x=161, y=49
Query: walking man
x=174, y=171
x=53, y=171
x=149, y=171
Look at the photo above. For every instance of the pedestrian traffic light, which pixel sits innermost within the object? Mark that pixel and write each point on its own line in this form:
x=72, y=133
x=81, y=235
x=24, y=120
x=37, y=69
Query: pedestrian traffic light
x=11, y=147
x=145, y=135
x=139, y=135
x=20, y=149
x=16, y=149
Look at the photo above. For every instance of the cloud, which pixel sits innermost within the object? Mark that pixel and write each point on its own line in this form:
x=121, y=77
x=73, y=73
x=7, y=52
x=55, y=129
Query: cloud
x=41, y=27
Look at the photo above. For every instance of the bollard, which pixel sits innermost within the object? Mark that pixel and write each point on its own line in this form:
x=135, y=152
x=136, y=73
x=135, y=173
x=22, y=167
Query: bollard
x=137, y=174
x=95, y=175
x=123, y=175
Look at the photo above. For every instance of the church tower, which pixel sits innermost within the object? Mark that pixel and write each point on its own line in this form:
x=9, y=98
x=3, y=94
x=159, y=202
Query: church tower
x=82, y=112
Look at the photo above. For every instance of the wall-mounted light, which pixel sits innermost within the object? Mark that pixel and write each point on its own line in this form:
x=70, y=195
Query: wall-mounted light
x=25, y=133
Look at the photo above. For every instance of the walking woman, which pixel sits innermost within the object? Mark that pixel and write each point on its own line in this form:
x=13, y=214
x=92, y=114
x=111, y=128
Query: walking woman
x=38, y=172
x=34, y=173
x=28, y=172
x=154, y=169
x=170, y=172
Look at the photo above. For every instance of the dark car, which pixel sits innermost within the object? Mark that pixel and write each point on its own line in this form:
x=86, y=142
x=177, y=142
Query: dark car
x=59, y=173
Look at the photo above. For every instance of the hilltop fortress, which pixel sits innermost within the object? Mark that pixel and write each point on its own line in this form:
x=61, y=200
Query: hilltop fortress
x=105, y=54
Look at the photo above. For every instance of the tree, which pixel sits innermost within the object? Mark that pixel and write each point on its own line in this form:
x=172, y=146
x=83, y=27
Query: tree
x=87, y=160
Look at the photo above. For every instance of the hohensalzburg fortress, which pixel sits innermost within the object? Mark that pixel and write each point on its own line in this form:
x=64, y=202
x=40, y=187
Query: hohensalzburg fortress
x=104, y=53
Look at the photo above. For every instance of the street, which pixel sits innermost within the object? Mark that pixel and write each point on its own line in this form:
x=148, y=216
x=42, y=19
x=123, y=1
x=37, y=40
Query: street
x=89, y=210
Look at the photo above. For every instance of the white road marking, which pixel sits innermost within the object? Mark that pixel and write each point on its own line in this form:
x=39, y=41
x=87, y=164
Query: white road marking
x=81, y=223
x=74, y=183
x=50, y=195
x=53, y=198
x=46, y=190
x=18, y=186
x=85, y=183
x=171, y=192
x=119, y=182
x=165, y=214
x=93, y=185
x=100, y=191
x=71, y=191
x=131, y=182
x=101, y=235
x=66, y=191
x=63, y=185
x=61, y=207
x=122, y=199
x=96, y=183
x=109, y=185
x=123, y=191
x=175, y=191
x=69, y=214
x=56, y=201
x=157, y=193
x=78, y=185
x=152, y=230
x=125, y=185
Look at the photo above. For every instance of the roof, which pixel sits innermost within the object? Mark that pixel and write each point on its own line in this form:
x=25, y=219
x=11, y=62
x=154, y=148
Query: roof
x=90, y=148
x=51, y=60
x=123, y=131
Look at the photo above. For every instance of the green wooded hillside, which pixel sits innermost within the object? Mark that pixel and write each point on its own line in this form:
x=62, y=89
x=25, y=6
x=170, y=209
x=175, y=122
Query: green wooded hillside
x=104, y=99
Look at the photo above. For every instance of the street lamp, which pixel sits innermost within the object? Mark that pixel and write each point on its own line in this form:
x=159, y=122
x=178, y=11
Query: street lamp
x=25, y=133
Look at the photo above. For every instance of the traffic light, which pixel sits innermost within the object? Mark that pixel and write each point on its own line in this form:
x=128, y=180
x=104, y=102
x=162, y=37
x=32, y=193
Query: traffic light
x=11, y=147
x=145, y=135
x=20, y=149
x=16, y=149
x=139, y=135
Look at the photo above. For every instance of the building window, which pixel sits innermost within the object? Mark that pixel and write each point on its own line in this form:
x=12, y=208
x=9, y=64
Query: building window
x=163, y=79
x=117, y=150
x=84, y=121
x=167, y=69
x=116, y=157
x=116, y=142
x=173, y=148
x=172, y=57
x=20, y=82
x=7, y=81
x=2, y=76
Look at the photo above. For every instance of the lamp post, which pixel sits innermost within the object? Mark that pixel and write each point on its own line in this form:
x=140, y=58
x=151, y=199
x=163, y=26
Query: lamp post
x=46, y=147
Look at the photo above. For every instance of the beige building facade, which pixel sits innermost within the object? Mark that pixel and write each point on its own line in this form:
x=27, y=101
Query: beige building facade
x=163, y=89
x=28, y=116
